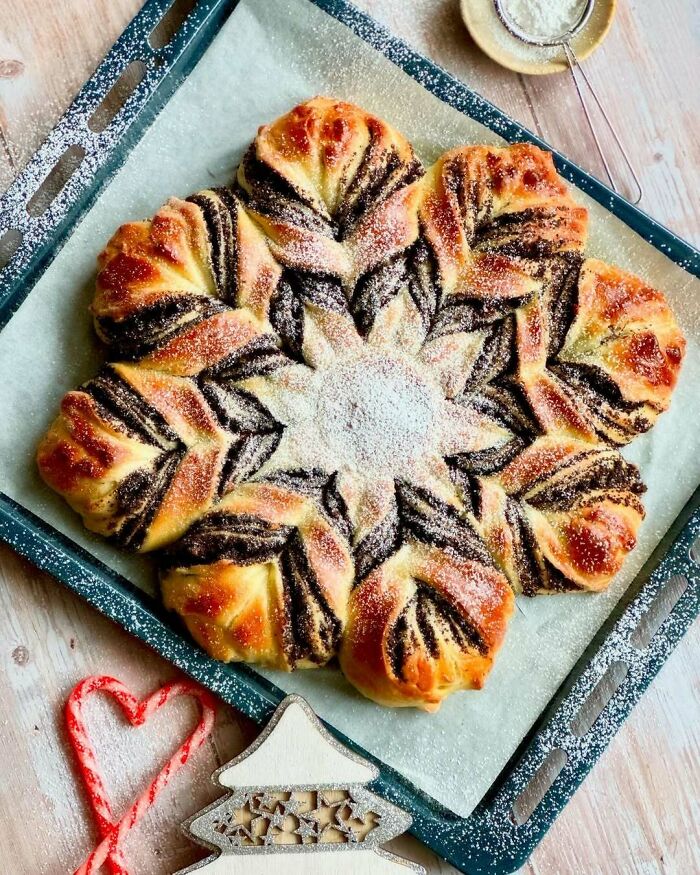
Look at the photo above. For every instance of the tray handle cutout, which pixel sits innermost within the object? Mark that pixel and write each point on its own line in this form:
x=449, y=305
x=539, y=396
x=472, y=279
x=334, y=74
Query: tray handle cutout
x=694, y=551
x=599, y=697
x=170, y=23
x=109, y=107
x=9, y=244
x=659, y=609
x=56, y=180
x=528, y=799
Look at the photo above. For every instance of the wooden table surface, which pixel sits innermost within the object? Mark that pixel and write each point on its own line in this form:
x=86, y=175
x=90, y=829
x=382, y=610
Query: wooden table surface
x=639, y=811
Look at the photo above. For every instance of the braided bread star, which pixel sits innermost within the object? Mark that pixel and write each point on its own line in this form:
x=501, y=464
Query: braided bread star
x=353, y=405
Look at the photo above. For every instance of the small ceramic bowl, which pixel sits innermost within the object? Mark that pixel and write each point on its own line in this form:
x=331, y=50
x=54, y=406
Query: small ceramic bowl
x=492, y=37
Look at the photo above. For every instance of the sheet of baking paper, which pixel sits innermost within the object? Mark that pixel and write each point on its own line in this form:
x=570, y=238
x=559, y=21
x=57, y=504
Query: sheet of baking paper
x=268, y=57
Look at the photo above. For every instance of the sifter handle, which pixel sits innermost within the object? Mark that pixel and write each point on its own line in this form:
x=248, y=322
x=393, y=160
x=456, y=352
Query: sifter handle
x=576, y=68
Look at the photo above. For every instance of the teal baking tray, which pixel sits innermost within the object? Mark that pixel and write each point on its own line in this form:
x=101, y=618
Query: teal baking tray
x=36, y=217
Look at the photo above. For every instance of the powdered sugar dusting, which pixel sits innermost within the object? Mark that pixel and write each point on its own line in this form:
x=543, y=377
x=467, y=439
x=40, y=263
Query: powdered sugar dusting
x=543, y=19
x=376, y=414
x=369, y=414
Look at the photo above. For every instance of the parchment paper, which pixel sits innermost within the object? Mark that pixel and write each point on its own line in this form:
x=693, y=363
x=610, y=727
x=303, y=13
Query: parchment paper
x=268, y=57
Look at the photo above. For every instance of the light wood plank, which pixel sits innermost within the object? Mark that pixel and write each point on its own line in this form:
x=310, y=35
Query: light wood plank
x=51, y=640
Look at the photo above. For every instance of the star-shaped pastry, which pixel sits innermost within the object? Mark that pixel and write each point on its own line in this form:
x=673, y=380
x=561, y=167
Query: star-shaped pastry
x=406, y=385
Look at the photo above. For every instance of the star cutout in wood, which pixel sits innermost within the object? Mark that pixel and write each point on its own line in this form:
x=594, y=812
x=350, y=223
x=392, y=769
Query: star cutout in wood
x=309, y=830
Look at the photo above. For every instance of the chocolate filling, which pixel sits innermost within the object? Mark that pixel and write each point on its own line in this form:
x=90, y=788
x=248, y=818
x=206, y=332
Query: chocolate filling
x=287, y=318
x=587, y=472
x=375, y=289
x=460, y=313
x=127, y=411
x=561, y=293
x=219, y=210
x=260, y=357
x=489, y=460
x=381, y=172
x=496, y=356
x=336, y=509
x=238, y=410
x=314, y=629
x=527, y=554
x=468, y=485
x=556, y=581
x=151, y=327
x=414, y=270
x=140, y=495
x=519, y=234
x=377, y=545
x=423, y=277
x=246, y=455
x=267, y=192
x=426, y=518
x=323, y=490
x=474, y=200
x=615, y=419
x=425, y=619
x=241, y=538
x=287, y=304
x=506, y=403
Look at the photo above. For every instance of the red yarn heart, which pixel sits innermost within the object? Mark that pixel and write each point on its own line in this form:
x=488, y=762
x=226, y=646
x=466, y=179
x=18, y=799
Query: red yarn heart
x=137, y=713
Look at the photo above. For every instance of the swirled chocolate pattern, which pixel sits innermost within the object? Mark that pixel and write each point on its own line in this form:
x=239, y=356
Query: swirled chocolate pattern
x=140, y=454
x=265, y=576
x=355, y=403
x=423, y=624
x=415, y=514
x=562, y=515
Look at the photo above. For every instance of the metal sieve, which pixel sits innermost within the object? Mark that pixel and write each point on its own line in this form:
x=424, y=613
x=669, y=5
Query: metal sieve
x=564, y=41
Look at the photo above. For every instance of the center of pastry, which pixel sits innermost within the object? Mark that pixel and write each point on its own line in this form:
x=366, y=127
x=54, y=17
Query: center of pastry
x=375, y=414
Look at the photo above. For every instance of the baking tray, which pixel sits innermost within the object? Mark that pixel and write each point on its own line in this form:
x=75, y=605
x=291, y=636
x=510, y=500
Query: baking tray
x=157, y=50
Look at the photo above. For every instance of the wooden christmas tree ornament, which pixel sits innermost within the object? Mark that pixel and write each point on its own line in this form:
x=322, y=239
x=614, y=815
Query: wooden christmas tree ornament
x=298, y=796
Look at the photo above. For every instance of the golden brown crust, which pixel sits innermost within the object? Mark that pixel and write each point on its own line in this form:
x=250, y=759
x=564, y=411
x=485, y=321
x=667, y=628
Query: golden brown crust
x=337, y=158
x=312, y=174
x=163, y=297
x=617, y=365
x=146, y=260
x=139, y=455
x=279, y=595
x=482, y=209
x=82, y=456
x=424, y=624
x=562, y=515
